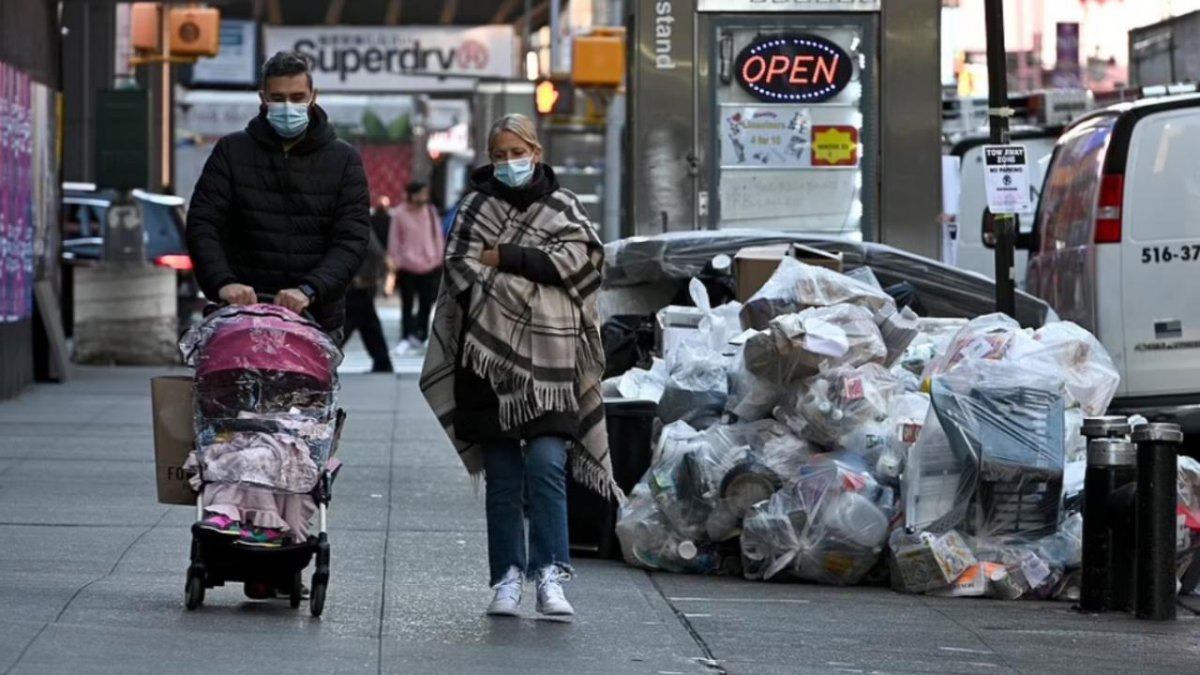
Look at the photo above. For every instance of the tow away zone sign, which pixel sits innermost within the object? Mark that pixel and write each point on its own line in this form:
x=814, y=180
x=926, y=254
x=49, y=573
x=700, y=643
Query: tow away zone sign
x=1006, y=177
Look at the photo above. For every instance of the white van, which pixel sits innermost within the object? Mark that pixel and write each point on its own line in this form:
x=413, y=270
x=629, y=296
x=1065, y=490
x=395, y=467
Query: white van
x=1116, y=247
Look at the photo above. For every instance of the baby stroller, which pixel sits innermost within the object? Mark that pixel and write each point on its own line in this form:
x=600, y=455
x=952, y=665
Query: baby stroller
x=266, y=422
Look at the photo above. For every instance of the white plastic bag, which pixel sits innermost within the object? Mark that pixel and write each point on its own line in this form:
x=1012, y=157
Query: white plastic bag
x=835, y=408
x=799, y=346
x=985, y=338
x=697, y=388
x=1090, y=378
x=720, y=324
x=795, y=287
x=826, y=528
x=751, y=397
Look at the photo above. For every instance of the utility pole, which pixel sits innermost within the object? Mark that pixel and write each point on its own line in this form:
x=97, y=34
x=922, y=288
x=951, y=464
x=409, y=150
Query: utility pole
x=999, y=113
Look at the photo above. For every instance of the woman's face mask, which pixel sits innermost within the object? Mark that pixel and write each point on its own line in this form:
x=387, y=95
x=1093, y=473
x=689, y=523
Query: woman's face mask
x=515, y=172
x=288, y=119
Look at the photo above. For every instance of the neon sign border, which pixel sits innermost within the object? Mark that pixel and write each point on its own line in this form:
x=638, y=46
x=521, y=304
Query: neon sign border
x=818, y=95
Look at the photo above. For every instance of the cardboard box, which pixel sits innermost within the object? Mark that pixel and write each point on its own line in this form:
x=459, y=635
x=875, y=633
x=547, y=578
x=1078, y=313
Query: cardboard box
x=174, y=436
x=928, y=562
x=753, y=266
x=675, y=326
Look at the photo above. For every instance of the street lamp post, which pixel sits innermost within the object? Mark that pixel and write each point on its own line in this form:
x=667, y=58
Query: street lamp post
x=999, y=113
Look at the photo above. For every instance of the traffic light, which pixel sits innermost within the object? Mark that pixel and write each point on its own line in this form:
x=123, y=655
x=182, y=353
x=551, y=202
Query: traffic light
x=192, y=31
x=554, y=97
x=599, y=58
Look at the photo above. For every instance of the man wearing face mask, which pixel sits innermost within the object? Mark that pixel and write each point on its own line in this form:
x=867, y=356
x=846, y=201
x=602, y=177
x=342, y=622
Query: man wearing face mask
x=282, y=208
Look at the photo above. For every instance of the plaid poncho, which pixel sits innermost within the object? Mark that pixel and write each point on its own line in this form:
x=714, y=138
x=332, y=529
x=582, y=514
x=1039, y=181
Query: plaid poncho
x=538, y=345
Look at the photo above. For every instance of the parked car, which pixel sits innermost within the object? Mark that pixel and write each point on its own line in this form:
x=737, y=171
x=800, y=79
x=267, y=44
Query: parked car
x=1116, y=247
x=85, y=210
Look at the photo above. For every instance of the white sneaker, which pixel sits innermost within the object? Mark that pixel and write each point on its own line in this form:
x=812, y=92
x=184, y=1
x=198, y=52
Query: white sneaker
x=402, y=349
x=416, y=346
x=508, y=594
x=550, y=598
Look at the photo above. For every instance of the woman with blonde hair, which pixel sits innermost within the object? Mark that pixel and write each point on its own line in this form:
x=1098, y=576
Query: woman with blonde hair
x=513, y=369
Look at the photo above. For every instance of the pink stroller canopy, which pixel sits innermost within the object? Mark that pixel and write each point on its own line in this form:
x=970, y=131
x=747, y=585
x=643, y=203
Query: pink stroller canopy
x=263, y=338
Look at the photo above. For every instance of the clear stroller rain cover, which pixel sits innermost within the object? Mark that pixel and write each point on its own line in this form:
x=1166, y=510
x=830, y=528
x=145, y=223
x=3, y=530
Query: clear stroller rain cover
x=266, y=382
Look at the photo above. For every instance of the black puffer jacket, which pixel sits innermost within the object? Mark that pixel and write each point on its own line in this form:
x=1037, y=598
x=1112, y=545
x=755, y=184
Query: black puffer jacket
x=275, y=219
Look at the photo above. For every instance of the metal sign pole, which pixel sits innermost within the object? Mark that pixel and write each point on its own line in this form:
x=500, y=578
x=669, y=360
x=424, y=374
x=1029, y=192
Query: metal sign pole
x=999, y=113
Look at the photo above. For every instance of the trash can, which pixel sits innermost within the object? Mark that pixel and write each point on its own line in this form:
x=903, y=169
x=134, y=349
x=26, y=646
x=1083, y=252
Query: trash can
x=591, y=519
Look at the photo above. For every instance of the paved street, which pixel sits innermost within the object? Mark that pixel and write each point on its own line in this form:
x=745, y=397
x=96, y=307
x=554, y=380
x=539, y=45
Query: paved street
x=92, y=572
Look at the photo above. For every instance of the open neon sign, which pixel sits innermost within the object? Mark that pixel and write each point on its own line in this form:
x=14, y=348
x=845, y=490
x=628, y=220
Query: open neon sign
x=794, y=68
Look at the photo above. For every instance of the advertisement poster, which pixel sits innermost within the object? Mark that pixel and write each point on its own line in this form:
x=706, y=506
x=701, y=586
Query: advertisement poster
x=238, y=62
x=778, y=136
x=16, y=194
x=834, y=146
x=46, y=195
x=785, y=137
x=1066, y=64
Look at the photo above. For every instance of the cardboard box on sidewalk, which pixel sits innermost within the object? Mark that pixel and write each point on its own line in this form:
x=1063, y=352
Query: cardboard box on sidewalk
x=754, y=265
x=174, y=436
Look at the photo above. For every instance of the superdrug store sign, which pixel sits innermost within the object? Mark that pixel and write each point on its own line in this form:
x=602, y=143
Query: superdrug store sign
x=398, y=58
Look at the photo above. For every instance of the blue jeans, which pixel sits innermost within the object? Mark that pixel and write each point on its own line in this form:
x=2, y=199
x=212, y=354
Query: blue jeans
x=507, y=468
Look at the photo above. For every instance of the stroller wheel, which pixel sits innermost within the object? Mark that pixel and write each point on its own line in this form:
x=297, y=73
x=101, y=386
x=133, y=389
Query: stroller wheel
x=316, y=601
x=195, y=592
x=297, y=591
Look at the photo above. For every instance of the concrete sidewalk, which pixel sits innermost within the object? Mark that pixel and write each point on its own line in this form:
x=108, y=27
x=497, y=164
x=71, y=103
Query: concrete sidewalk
x=92, y=572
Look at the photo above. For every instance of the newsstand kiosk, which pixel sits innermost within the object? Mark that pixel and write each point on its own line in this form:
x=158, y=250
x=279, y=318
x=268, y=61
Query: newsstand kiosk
x=815, y=116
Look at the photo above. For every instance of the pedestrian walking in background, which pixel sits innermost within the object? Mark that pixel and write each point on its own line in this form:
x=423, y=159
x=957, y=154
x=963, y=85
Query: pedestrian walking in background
x=513, y=369
x=415, y=250
x=381, y=220
x=360, y=306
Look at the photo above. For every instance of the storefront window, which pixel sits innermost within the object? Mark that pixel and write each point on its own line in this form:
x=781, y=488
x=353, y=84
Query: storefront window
x=791, y=132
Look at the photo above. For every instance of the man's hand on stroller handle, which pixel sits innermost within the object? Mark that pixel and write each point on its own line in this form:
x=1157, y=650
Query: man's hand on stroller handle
x=238, y=294
x=293, y=299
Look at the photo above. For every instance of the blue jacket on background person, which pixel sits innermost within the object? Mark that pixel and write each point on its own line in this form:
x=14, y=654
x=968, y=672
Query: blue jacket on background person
x=448, y=221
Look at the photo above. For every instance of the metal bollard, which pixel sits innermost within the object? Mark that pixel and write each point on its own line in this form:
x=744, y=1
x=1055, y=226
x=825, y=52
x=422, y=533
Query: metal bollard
x=1108, y=426
x=1122, y=516
x=1111, y=464
x=1157, y=454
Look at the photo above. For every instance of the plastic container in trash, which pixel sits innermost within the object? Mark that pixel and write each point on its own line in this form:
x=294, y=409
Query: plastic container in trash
x=591, y=520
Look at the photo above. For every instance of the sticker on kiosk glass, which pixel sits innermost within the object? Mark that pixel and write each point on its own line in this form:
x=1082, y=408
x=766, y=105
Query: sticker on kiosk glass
x=834, y=146
x=794, y=69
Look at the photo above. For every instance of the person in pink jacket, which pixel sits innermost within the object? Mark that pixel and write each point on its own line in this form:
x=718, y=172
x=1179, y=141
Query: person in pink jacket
x=415, y=250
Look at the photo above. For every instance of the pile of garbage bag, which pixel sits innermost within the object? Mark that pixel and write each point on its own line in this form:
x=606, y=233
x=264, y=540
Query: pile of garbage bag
x=822, y=433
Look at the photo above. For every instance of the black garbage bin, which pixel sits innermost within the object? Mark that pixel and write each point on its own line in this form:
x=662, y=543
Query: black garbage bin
x=591, y=519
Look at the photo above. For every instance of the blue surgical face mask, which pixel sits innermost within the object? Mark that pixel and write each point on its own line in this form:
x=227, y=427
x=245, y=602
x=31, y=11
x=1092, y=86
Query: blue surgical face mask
x=515, y=173
x=289, y=120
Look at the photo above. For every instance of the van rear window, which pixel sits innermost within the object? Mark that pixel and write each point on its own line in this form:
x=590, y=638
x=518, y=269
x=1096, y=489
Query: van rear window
x=1067, y=211
x=1163, y=178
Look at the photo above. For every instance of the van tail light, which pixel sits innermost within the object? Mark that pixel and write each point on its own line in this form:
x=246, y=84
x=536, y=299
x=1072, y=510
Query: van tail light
x=180, y=263
x=1108, y=210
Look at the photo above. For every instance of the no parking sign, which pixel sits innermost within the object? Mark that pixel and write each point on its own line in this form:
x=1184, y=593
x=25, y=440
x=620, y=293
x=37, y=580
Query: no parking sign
x=1006, y=177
